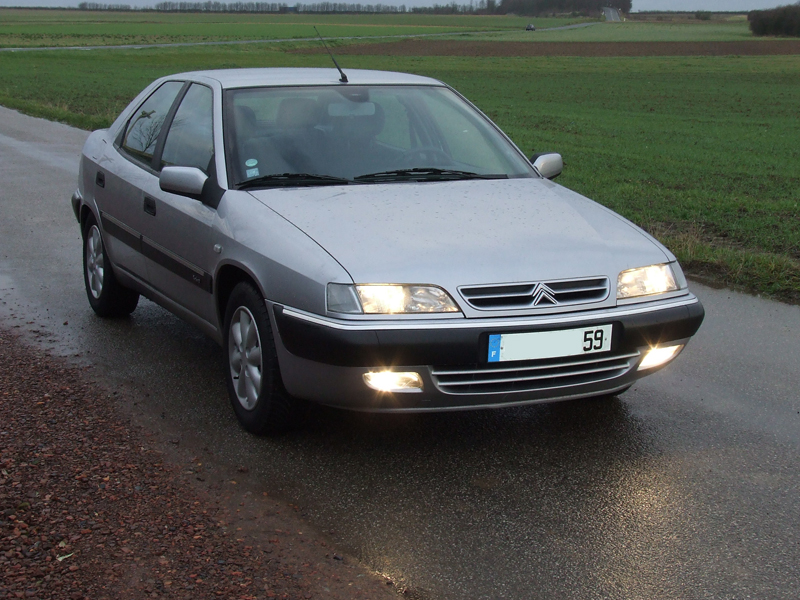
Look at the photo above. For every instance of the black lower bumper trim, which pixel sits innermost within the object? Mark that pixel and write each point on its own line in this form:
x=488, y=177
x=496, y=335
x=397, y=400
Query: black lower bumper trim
x=457, y=346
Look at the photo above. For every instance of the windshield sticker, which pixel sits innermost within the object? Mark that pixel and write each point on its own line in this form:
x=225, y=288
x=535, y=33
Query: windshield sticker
x=251, y=162
x=252, y=172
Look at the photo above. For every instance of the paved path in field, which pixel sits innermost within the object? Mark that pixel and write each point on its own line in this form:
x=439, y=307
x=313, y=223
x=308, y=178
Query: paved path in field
x=241, y=42
x=575, y=26
x=612, y=15
x=281, y=40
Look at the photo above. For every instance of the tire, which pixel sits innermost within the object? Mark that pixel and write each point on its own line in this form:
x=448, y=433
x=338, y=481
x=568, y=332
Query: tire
x=106, y=296
x=259, y=399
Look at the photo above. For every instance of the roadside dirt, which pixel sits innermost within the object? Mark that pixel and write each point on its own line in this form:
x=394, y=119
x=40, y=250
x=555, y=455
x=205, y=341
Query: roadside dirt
x=420, y=47
x=91, y=508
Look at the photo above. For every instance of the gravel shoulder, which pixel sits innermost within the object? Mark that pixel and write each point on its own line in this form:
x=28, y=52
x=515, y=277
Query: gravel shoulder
x=92, y=507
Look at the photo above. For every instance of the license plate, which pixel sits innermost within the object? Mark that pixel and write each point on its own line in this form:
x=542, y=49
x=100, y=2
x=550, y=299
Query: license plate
x=549, y=344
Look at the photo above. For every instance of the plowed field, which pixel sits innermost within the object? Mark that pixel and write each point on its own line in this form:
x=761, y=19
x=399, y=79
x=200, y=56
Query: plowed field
x=467, y=48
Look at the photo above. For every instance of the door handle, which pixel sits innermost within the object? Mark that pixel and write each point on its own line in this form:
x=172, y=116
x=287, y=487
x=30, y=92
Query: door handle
x=149, y=206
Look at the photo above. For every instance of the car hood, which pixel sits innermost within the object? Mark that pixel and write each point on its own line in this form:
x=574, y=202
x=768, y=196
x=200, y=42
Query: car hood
x=465, y=232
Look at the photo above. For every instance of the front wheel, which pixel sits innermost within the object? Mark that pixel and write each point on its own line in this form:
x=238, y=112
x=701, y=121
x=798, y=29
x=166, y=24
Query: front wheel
x=106, y=296
x=256, y=391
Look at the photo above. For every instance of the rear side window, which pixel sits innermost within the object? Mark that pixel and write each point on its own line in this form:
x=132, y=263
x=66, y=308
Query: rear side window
x=145, y=125
x=190, y=139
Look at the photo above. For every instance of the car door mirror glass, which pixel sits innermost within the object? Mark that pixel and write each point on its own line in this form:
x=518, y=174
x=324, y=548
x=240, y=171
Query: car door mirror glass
x=185, y=181
x=549, y=165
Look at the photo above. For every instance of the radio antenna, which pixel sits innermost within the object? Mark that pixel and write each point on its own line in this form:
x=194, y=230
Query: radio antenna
x=344, y=77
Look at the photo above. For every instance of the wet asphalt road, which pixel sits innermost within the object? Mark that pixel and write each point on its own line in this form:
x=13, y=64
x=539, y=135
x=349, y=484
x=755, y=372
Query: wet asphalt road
x=685, y=487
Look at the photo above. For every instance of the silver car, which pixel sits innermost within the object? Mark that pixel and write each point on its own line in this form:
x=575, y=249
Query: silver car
x=369, y=241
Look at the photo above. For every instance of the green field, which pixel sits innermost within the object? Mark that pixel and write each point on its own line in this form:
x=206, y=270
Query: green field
x=50, y=28
x=701, y=151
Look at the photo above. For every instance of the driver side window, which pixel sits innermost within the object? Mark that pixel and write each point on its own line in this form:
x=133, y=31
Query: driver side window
x=190, y=139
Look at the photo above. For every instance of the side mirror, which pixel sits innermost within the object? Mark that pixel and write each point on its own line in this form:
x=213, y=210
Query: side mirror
x=549, y=165
x=185, y=181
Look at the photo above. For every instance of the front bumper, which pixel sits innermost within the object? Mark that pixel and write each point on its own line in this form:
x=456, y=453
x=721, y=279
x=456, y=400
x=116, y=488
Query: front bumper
x=324, y=359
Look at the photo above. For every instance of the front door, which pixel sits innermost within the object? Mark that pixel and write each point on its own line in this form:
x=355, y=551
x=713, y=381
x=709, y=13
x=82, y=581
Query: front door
x=177, y=233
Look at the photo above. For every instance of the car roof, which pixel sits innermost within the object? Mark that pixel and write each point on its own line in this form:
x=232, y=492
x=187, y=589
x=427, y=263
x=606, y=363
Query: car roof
x=244, y=78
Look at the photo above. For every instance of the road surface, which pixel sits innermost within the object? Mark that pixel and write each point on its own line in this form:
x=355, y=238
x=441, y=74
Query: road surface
x=687, y=486
x=285, y=40
x=612, y=15
x=244, y=42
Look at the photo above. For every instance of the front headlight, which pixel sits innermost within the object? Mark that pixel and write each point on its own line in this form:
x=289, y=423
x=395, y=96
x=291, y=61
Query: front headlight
x=398, y=299
x=388, y=299
x=646, y=281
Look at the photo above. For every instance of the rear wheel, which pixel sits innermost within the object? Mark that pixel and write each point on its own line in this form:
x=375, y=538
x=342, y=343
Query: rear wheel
x=259, y=399
x=106, y=296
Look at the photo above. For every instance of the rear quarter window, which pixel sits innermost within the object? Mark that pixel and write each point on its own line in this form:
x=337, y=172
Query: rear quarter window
x=145, y=125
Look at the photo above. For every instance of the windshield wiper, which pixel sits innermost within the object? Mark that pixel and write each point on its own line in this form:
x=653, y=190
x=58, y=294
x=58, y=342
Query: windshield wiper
x=425, y=174
x=293, y=179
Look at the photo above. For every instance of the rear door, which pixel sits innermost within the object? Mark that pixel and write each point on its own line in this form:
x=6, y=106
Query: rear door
x=123, y=174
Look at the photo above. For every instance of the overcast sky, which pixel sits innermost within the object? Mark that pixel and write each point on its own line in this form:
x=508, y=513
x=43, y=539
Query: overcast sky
x=713, y=5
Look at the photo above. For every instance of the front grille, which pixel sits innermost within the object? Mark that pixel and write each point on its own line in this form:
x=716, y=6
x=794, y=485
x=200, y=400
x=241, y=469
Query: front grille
x=533, y=375
x=536, y=295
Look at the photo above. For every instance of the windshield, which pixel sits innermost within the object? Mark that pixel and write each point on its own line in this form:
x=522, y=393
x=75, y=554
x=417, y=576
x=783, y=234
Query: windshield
x=327, y=135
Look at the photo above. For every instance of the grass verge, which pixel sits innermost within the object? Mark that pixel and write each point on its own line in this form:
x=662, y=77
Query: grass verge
x=701, y=151
x=719, y=263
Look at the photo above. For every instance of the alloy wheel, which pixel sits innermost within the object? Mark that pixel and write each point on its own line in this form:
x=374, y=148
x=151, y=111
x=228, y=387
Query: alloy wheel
x=244, y=357
x=95, y=261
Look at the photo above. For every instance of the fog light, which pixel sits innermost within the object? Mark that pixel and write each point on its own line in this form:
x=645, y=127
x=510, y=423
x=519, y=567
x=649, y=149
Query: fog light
x=389, y=381
x=656, y=357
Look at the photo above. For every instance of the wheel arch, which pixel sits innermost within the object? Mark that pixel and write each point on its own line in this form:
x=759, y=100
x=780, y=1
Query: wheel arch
x=85, y=211
x=228, y=277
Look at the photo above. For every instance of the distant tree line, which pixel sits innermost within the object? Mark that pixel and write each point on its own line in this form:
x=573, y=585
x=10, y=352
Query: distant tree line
x=343, y=7
x=96, y=6
x=784, y=20
x=249, y=7
x=481, y=7
x=543, y=7
x=273, y=7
